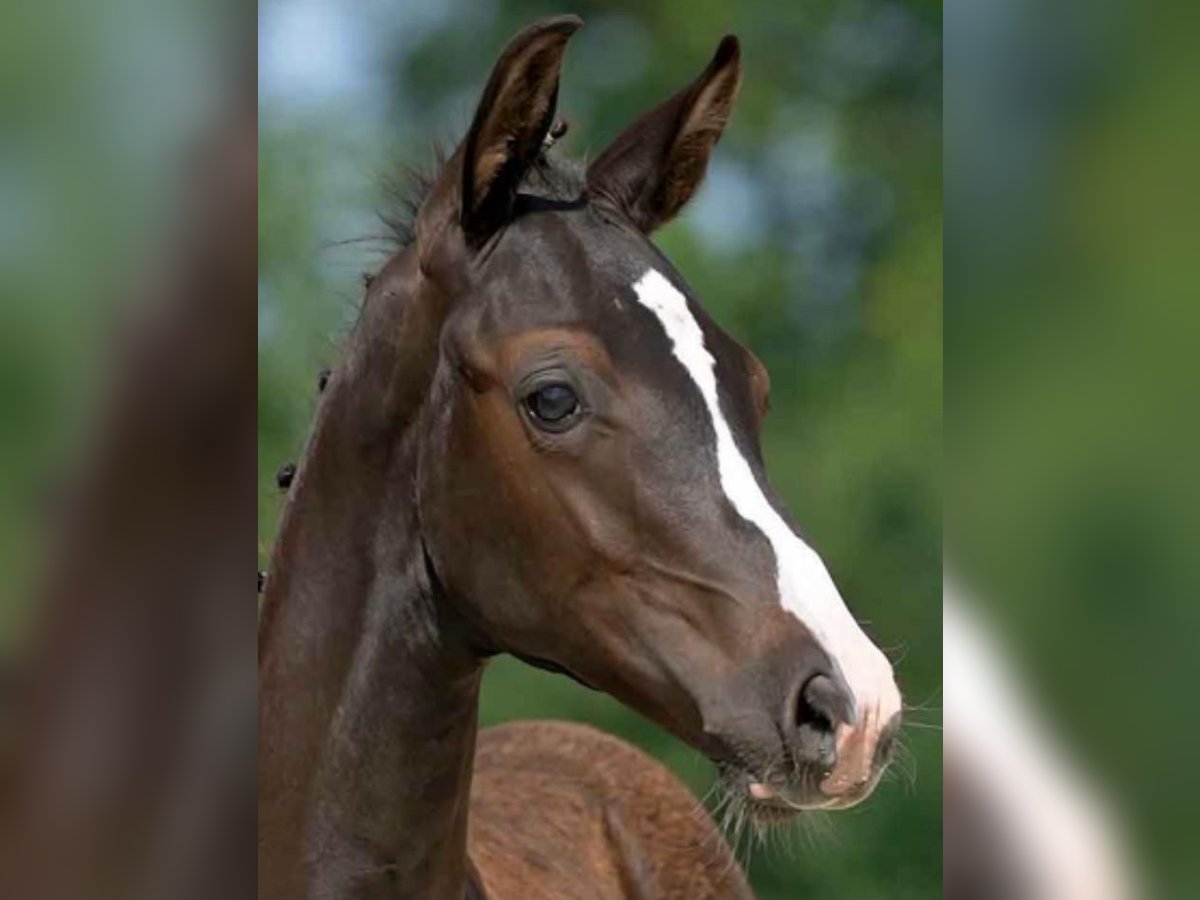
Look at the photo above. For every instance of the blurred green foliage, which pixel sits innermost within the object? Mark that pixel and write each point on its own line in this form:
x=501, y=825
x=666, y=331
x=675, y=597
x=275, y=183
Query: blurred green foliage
x=816, y=241
x=101, y=109
x=1072, y=436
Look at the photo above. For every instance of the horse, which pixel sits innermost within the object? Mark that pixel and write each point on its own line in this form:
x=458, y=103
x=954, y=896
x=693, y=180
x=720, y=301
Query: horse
x=538, y=443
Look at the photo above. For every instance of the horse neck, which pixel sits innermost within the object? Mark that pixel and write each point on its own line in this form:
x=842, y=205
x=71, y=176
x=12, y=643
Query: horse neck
x=368, y=686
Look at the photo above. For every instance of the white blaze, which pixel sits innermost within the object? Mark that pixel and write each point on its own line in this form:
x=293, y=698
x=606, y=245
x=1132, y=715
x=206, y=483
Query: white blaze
x=805, y=587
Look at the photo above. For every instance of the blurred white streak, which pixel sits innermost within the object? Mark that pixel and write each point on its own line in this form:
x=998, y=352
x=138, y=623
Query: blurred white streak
x=1045, y=827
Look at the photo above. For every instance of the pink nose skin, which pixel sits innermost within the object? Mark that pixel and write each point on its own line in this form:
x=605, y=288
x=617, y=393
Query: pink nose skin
x=761, y=791
x=857, y=752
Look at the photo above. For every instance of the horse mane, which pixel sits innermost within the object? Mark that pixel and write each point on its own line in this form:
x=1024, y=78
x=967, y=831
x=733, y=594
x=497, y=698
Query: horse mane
x=551, y=177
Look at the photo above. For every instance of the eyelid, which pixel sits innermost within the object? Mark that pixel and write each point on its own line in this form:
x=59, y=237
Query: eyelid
x=545, y=374
x=548, y=374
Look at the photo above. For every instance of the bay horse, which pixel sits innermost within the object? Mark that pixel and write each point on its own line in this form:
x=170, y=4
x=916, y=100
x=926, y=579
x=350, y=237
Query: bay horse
x=538, y=443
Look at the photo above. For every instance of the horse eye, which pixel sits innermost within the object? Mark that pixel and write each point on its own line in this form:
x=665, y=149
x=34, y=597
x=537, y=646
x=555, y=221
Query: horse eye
x=552, y=405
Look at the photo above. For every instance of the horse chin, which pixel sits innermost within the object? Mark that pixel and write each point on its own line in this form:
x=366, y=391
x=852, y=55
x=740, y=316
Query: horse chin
x=771, y=814
x=766, y=805
x=784, y=804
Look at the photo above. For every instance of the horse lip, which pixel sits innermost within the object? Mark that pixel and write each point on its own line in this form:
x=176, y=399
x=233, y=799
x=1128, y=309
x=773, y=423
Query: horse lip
x=779, y=799
x=772, y=802
x=769, y=813
x=776, y=795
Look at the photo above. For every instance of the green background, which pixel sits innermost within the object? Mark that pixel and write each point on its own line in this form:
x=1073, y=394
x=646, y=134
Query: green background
x=1071, y=408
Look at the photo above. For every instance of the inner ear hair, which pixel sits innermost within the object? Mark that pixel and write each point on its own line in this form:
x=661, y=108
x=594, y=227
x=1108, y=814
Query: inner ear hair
x=511, y=123
x=704, y=122
x=655, y=166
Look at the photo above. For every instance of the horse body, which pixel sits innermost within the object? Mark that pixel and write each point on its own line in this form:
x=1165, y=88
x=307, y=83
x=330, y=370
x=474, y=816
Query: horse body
x=538, y=443
x=564, y=812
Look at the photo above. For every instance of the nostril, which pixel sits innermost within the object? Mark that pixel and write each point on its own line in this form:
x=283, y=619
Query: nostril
x=812, y=710
x=825, y=702
x=819, y=706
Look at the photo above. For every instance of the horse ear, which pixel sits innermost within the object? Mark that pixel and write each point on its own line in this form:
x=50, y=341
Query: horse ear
x=653, y=167
x=511, y=122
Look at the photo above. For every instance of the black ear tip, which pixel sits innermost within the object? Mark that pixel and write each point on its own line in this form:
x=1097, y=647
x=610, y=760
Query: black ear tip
x=728, y=51
x=559, y=25
x=569, y=23
x=550, y=34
